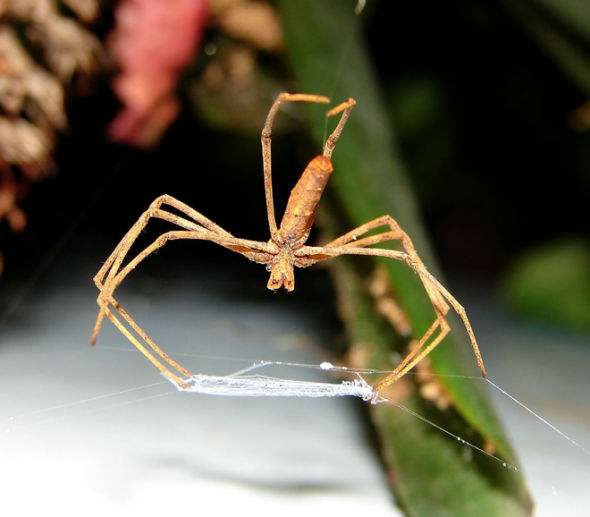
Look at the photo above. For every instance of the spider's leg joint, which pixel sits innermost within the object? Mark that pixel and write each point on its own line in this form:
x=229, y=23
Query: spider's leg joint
x=349, y=103
x=157, y=203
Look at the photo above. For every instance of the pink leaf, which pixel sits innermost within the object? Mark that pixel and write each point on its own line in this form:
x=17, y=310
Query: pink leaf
x=152, y=42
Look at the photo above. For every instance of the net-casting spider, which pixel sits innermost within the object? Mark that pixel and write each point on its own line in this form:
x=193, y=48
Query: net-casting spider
x=284, y=251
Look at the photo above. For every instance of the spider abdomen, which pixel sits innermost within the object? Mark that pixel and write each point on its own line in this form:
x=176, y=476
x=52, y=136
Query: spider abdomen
x=304, y=199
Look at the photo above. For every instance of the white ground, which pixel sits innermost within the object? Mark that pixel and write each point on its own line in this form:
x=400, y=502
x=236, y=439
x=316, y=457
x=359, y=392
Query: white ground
x=199, y=455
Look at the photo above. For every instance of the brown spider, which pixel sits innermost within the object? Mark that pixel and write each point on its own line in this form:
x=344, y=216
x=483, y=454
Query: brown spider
x=284, y=251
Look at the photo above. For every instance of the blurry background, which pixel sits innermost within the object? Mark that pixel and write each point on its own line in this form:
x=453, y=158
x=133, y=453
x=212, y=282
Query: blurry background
x=491, y=122
x=106, y=105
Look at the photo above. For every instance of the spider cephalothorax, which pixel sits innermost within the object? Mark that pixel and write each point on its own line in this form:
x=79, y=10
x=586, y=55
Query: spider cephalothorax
x=281, y=270
x=285, y=250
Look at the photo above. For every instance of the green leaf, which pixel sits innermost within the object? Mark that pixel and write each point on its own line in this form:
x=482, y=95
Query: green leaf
x=328, y=57
x=429, y=472
x=552, y=284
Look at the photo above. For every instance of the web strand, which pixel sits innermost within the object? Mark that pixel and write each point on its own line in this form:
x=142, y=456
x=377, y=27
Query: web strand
x=243, y=383
x=358, y=10
x=21, y=419
x=540, y=418
x=445, y=431
x=325, y=366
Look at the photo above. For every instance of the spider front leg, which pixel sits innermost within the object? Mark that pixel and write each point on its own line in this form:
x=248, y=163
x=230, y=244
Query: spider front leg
x=111, y=275
x=113, y=263
x=350, y=244
x=154, y=210
x=266, y=140
x=254, y=250
x=431, y=286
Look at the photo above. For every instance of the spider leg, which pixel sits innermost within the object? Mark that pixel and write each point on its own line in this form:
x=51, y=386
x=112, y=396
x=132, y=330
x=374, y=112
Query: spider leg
x=254, y=250
x=152, y=211
x=198, y=221
x=352, y=237
x=150, y=357
x=413, y=357
x=147, y=339
x=251, y=249
x=113, y=262
x=266, y=147
x=345, y=108
x=437, y=294
x=460, y=310
x=396, y=233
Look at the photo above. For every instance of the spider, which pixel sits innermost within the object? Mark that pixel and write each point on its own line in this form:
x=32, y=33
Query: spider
x=285, y=250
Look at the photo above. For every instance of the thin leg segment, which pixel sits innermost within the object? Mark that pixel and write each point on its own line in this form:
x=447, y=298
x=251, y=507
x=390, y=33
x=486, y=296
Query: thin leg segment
x=395, y=233
x=345, y=108
x=135, y=342
x=349, y=244
x=417, y=354
x=198, y=222
x=106, y=300
x=266, y=148
x=114, y=261
x=460, y=310
x=241, y=246
x=147, y=339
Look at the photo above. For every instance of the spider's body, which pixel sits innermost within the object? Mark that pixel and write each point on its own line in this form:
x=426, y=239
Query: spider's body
x=297, y=222
x=285, y=250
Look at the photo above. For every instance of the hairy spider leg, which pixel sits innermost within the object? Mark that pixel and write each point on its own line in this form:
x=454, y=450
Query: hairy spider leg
x=113, y=262
x=441, y=308
x=460, y=310
x=106, y=297
x=251, y=249
x=435, y=291
x=143, y=220
x=133, y=340
x=254, y=250
x=147, y=340
x=350, y=238
x=266, y=140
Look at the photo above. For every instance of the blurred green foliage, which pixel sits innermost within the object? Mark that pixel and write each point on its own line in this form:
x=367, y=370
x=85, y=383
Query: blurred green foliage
x=551, y=284
x=562, y=30
x=424, y=125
